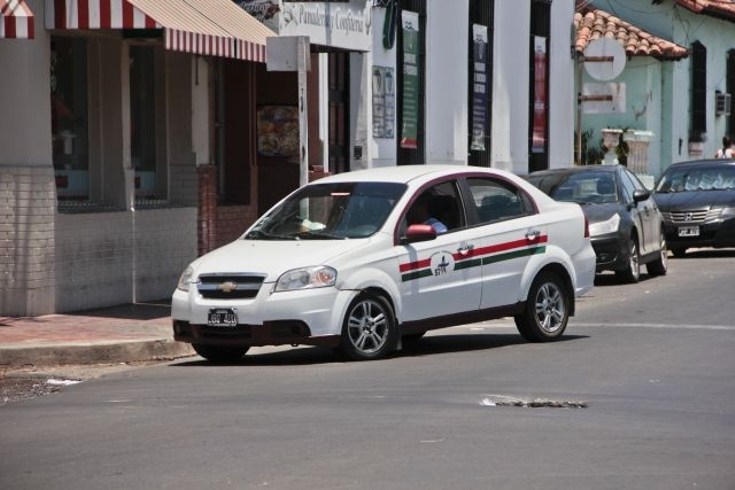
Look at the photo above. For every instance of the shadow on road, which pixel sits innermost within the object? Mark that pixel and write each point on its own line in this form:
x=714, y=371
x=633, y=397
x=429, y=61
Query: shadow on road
x=608, y=279
x=132, y=311
x=427, y=346
x=707, y=253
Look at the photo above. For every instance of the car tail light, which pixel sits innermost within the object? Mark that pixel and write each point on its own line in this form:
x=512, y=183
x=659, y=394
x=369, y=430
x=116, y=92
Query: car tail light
x=586, y=227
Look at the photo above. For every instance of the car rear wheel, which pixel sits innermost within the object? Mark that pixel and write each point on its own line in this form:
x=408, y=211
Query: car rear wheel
x=369, y=330
x=218, y=353
x=659, y=267
x=632, y=271
x=546, y=312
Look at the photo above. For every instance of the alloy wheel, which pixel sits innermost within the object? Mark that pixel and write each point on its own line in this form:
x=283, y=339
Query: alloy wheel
x=368, y=326
x=550, y=308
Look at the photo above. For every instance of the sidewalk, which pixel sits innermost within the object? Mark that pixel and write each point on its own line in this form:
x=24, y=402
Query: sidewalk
x=126, y=333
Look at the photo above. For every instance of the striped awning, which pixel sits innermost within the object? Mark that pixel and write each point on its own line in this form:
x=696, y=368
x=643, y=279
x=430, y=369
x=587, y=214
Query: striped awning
x=16, y=20
x=207, y=27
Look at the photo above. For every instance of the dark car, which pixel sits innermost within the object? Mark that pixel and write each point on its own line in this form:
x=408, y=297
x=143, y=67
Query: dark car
x=697, y=201
x=625, y=224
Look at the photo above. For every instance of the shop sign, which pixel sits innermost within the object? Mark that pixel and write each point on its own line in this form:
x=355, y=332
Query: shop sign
x=384, y=102
x=411, y=40
x=479, y=87
x=345, y=25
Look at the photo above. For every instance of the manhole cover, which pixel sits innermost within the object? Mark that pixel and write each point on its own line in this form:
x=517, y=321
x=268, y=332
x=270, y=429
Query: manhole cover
x=515, y=401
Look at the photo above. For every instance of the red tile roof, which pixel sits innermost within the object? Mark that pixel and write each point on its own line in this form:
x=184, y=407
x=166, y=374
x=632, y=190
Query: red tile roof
x=591, y=24
x=723, y=9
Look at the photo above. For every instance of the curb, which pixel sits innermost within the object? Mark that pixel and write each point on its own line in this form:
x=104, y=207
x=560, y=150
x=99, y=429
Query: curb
x=97, y=353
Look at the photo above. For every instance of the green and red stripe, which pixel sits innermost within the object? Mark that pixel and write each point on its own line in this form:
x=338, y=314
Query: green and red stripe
x=478, y=256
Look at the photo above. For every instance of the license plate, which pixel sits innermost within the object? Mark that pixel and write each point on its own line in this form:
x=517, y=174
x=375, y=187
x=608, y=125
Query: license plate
x=222, y=317
x=689, y=231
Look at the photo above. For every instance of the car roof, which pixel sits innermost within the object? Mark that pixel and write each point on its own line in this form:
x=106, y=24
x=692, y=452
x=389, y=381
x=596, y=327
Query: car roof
x=707, y=163
x=407, y=173
x=576, y=169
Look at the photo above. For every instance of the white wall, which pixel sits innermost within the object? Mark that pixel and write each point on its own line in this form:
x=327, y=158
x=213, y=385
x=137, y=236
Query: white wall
x=446, y=81
x=511, y=86
x=125, y=256
x=562, y=98
x=24, y=73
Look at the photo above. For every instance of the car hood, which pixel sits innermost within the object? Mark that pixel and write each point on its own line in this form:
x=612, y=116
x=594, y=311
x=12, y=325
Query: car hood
x=272, y=258
x=597, y=213
x=668, y=201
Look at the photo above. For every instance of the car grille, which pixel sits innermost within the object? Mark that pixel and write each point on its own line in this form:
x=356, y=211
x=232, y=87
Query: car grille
x=693, y=217
x=229, y=286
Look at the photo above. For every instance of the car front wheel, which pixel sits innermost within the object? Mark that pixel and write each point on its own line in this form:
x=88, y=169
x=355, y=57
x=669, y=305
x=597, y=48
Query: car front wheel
x=546, y=312
x=369, y=330
x=632, y=271
x=218, y=353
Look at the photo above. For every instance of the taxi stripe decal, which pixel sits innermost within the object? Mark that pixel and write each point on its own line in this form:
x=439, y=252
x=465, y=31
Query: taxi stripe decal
x=477, y=257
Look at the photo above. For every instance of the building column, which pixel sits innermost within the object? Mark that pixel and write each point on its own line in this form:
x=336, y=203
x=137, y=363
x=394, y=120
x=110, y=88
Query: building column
x=27, y=183
x=206, y=220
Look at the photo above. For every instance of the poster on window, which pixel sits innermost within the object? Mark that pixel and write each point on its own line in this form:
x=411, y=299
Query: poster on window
x=479, y=87
x=278, y=130
x=411, y=40
x=538, y=144
x=383, y=102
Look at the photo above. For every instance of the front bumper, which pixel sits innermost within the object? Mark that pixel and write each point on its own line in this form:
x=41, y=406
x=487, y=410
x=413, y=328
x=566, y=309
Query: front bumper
x=716, y=233
x=312, y=317
x=609, y=251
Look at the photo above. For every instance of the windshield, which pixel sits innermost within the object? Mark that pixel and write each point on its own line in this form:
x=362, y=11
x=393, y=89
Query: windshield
x=590, y=187
x=330, y=212
x=689, y=179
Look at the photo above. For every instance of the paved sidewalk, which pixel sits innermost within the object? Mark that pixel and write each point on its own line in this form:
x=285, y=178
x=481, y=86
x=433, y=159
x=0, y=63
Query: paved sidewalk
x=126, y=333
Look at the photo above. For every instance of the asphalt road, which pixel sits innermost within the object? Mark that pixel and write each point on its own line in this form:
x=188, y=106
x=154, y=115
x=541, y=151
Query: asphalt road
x=650, y=365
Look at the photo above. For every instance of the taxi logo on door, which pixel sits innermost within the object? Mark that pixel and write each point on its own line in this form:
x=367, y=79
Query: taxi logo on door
x=442, y=263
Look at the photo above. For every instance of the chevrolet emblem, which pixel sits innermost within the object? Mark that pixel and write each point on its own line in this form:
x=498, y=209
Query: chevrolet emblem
x=227, y=287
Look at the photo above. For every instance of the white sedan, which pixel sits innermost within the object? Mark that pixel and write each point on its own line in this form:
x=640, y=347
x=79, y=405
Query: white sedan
x=364, y=260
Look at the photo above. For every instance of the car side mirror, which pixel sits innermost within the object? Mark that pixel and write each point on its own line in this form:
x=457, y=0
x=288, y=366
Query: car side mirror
x=641, y=195
x=419, y=233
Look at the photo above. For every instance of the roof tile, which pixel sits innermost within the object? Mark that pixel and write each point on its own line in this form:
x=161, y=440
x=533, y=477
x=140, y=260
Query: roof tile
x=724, y=9
x=592, y=24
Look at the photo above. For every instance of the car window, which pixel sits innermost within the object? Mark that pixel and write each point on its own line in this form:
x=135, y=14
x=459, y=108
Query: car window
x=634, y=178
x=587, y=187
x=697, y=179
x=330, y=211
x=629, y=187
x=438, y=206
x=496, y=201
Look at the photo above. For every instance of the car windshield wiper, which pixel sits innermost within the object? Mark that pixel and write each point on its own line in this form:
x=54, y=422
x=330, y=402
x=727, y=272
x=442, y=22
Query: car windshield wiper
x=262, y=235
x=318, y=235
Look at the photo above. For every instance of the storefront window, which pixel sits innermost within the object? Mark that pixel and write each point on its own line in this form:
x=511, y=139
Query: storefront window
x=69, y=121
x=143, y=120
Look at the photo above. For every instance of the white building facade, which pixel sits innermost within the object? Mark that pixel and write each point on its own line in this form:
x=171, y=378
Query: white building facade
x=487, y=92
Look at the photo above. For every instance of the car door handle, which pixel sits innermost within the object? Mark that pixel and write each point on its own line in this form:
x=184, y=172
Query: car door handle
x=533, y=235
x=465, y=249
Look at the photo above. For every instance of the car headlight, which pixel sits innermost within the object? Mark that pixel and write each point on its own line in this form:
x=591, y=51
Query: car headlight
x=607, y=226
x=186, y=279
x=727, y=212
x=319, y=276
